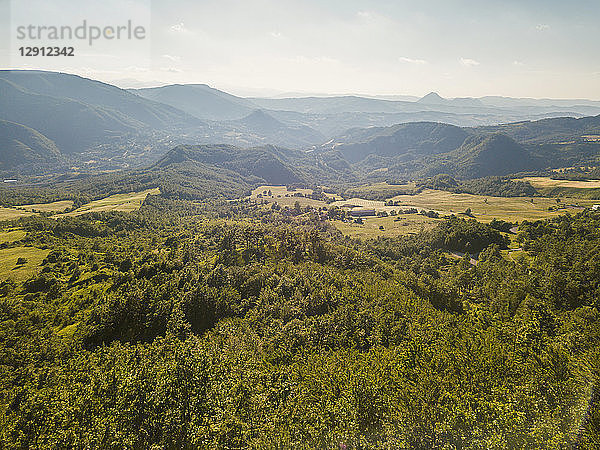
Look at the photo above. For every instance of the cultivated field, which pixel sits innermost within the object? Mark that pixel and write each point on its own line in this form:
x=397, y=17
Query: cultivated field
x=8, y=262
x=48, y=207
x=360, y=202
x=11, y=236
x=485, y=209
x=12, y=213
x=119, y=202
x=393, y=226
x=388, y=190
x=547, y=182
x=565, y=188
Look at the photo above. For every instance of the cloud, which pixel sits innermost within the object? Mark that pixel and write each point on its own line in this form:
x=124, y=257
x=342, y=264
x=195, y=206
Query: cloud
x=404, y=59
x=365, y=14
x=179, y=27
x=468, y=62
x=276, y=34
x=542, y=27
x=518, y=63
x=172, y=58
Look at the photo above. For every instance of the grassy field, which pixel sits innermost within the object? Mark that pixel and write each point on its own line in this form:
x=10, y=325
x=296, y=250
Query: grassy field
x=12, y=213
x=388, y=190
x=8, y=262
x=547, y=182
x=393, y=226
x=131, y=201
x=565, y=188
x=277, y=192
x=11, y=236
x=485, y=209
x=361, y=202
x=333, y=196
x=48, y=207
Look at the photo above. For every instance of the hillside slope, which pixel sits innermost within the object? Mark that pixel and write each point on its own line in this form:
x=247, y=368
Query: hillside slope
x=21, y=145
x=199, y=100
x=77, y=113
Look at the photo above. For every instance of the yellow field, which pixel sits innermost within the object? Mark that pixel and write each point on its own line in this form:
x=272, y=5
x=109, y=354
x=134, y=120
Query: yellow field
x=404, y=225
x=48, y=207
x=11, y=236
x=377, y=205
x=333, y=196
x=119, y=202
x=277, y=191
x=591, y=138
x=12, y=213
x=385, y=188
x=546, y=182
x=485, y=209
x=8, y=262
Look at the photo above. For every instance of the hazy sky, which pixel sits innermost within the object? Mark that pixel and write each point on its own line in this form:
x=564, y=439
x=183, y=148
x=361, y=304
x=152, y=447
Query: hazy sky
x=529, y=48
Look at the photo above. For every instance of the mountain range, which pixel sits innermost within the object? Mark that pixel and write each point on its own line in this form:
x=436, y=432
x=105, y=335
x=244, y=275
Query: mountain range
x=51, y=121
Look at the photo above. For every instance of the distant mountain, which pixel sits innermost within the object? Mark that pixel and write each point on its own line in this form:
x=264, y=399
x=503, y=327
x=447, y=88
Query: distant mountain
x=199, y=100
x=400, y=141
x=240, y=121
x=511, y=102
x=335, y=105
x=77, y=113
x=101, y=127
x=21, y=145
x=553, y=130
x=264, y=127
x=261, y=122
x=433, y=98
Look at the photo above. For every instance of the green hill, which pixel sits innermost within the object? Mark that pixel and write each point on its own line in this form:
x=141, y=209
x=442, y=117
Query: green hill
x=21, y=145
x=482, y=156
x=405, y=140
x=224, y=169
x=546, y=131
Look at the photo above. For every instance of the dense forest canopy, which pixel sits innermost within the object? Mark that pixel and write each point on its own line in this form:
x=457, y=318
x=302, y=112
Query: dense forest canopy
x=217, y=324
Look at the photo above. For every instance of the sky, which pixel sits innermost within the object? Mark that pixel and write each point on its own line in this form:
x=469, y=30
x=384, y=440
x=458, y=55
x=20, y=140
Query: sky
x=458, y=48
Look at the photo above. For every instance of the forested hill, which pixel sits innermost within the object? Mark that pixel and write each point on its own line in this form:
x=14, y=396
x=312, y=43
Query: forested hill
x=22, y=145
x=426, y=149
x=254, y=165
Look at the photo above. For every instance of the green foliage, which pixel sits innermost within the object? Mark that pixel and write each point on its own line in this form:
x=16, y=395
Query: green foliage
x=218, y=326
x=492, y=186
